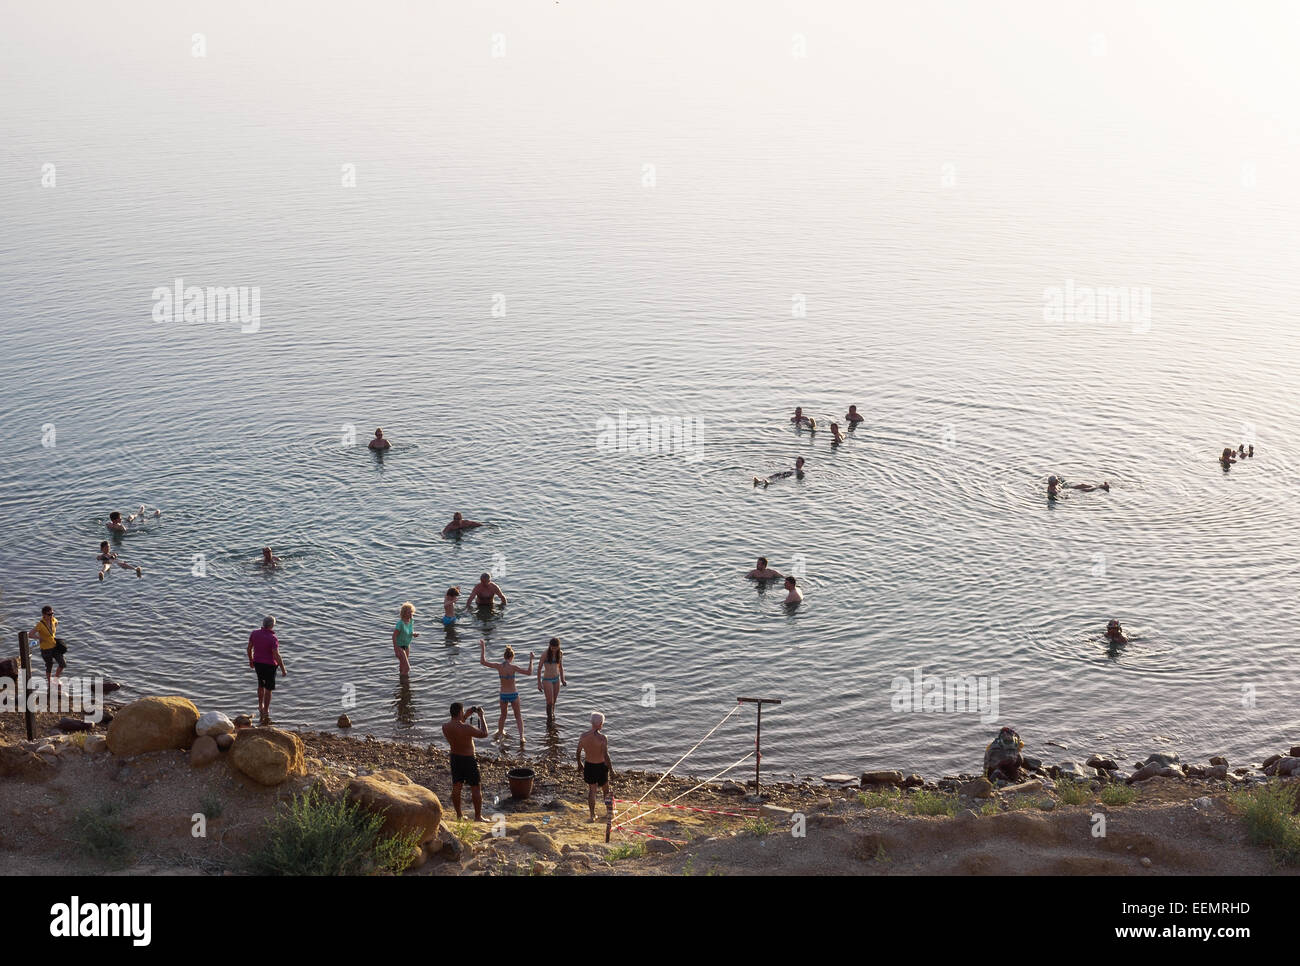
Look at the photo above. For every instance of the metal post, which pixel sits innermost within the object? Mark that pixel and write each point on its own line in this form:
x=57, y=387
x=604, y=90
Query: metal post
x=758, y=736
x=25, y=660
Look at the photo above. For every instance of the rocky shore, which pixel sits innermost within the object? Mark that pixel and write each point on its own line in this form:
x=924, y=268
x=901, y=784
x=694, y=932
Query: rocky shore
x=164, y=763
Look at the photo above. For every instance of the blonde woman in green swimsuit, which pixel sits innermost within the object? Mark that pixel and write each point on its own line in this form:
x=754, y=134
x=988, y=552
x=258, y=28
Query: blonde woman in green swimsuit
x=403, y=634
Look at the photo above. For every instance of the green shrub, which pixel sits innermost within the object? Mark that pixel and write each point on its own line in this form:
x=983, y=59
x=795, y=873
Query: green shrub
x=890, y=798
x=312, y=835
x=1071, y=792
x=759, y=827
x=934, y=803
x=101, y=834
x=210, y=805
x=1118, y=794
x=1270, y=820
x=628, y=850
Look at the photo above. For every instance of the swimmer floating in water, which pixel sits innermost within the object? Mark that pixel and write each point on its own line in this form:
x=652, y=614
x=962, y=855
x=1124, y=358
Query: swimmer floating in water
x=799, y=419
x=269, y=559
x=797, y=472
x=117, y=526
x=459, y=523
x=108, y=559
x=1226, y=458
x=794, y=595
x=1115, y=633
x=507, y=670
x=379, y=443
x=1054, y=484
x=836, y=436
x=763, y=571
x=853, y=417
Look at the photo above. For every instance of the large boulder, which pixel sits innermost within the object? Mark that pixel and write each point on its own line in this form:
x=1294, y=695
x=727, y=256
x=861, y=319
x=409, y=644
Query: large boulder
x=268, y=755
x=153, y=724
x=404, y=805
x=213, y=723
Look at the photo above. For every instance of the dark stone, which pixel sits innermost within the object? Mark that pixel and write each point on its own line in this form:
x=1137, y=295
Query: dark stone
x=1106, y=764
x=73, y=724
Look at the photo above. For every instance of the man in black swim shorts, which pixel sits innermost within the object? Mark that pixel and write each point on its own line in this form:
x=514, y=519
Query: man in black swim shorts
x=596, y=767
x=460, y=735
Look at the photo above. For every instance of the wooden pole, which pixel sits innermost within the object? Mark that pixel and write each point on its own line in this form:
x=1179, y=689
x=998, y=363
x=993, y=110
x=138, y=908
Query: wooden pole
x=25, y=660
x=758, y=736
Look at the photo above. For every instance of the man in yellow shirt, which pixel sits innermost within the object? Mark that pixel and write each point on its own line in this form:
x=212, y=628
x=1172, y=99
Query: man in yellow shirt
x=52, y=648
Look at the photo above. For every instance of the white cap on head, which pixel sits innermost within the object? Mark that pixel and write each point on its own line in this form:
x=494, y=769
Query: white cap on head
x=597, y=719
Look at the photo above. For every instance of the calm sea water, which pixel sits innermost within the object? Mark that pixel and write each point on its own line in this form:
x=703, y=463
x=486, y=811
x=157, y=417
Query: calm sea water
x=715, y=215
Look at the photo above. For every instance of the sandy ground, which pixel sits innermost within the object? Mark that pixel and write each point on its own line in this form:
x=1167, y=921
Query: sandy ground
x=160, y=798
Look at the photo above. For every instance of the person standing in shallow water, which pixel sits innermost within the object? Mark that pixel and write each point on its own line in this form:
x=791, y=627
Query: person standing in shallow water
x=379, y=443
x=264, y=658
x=550, y=676
x=403, y=633
x=508, y=671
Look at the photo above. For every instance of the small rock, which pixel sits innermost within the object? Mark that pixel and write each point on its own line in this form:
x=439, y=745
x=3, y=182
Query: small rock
x=978, y=788
x=1146, y=863
x=204, y=751
x=1203, y=803
x=96, y=744
x=224, y=742
x=1217, y=772
x=913, y=781
x=837, y=779
x=775, y=812
x=870, y=778
x=1029, y=786
x=1219, y=760
x=73, y=724
x=731, y=788
x=540, y=842
x=1097, y=761
x=662, y=846
x=1163, y=758
x=345, y=721
x=213, y=723
x=1295, y=751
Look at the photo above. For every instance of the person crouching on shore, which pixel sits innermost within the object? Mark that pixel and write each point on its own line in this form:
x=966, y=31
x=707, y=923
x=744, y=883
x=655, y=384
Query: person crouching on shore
x=403, y=633
x=460, y=735
x=264, y=658
x=597, y=768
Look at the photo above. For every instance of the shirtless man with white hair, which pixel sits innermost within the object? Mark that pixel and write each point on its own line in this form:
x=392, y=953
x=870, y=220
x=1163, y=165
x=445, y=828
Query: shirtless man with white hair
x=597, y=768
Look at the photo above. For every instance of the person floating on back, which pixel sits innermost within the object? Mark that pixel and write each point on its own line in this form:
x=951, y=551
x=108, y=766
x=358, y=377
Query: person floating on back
x=108, y=560
x=507, y=670
x=459, y=523
x=596, y=768
x=116, y=524
x=550, y=676
x=379, y=443
x=403, y=633
x=853, y=417
x=1055, y=483
x=264, y=658
x=796, y=472
x=460, y=735
x=763, y=572
x=483, y=593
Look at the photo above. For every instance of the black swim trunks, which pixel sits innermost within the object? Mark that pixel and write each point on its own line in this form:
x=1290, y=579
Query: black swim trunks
x=51, y=654
x=596, y=773
x=265, y=676
x=464, y=770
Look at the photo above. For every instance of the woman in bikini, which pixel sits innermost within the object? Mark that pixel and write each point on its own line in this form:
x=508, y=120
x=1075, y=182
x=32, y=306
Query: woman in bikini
x=508, y=670
x=550, y=676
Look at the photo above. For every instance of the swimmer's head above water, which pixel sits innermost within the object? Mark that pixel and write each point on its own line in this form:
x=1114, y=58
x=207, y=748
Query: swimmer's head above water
x=798, y=463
